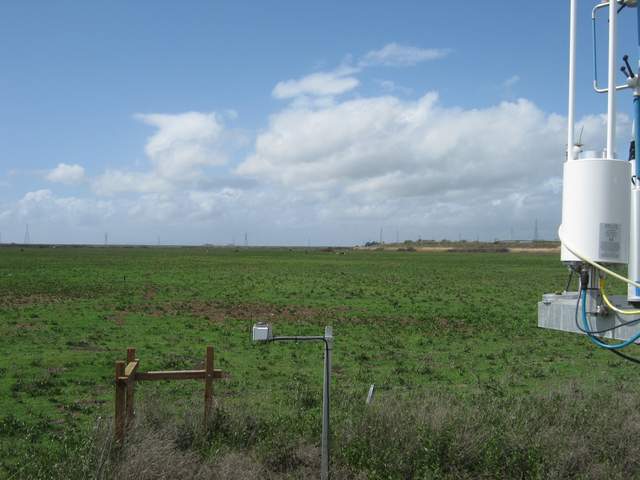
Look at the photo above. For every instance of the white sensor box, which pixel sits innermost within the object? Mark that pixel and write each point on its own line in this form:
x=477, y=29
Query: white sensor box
x=261, y=332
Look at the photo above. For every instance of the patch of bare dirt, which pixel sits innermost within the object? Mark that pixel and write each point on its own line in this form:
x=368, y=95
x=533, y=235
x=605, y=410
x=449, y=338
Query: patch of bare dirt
x=218, y=312
x=149, y=293
x=118, y=318
x=15, y=301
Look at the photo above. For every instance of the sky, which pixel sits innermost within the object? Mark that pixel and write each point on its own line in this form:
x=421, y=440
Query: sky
x=295, y=123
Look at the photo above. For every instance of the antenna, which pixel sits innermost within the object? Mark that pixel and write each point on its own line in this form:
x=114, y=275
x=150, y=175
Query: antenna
x=579, y=142
x=27, y=236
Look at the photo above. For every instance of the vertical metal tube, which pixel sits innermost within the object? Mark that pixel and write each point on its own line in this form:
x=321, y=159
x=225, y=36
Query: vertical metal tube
x=633, y=293
x=611, y=94
x=324, y=462
x=572, y=81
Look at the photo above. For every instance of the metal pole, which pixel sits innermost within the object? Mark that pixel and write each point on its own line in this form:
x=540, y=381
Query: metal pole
x=633, y=293
x=324, y=462
x=611, y=94
x=572, y=82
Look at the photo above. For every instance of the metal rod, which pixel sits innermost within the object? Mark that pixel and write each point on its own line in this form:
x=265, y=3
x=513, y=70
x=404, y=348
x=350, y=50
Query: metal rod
x=611, y=94
x=296, y=338
x=596, y=87
x=572, y=82
x=326, y=400
x=324, y=462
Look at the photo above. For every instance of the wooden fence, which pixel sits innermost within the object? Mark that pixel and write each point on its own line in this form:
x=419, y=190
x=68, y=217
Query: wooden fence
x=127, y=374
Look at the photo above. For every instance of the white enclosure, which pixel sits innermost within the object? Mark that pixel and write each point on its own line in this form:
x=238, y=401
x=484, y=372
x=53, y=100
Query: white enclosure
x=595, y=209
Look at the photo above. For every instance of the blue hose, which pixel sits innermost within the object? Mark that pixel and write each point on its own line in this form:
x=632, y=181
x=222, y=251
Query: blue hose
x=587, y=327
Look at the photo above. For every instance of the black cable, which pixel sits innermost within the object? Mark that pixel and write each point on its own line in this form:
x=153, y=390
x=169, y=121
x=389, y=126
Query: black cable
x=566, y=289
x=626, y=357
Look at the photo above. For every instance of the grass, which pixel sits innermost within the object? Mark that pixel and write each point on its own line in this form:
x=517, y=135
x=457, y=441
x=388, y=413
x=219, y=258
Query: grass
x=457, y=325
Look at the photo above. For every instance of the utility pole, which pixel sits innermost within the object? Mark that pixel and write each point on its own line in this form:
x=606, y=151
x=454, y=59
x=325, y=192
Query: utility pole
x=535, y=231
x=381, y=230
x=27, y=236
x=106, y=238
x=246, y=240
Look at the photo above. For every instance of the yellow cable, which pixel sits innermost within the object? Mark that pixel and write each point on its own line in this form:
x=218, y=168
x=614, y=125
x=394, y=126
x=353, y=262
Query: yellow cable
x=569, y=247
x=612, y=306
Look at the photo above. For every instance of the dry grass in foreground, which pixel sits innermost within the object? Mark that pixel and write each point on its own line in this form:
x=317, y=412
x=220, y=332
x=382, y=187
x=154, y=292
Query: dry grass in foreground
x=570, y=433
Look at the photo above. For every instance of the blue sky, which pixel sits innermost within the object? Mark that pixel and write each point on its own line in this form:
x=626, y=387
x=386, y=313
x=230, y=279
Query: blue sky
x=296, y=122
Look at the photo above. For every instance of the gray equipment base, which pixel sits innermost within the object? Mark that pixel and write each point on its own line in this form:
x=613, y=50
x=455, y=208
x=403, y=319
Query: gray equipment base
x=557, y=312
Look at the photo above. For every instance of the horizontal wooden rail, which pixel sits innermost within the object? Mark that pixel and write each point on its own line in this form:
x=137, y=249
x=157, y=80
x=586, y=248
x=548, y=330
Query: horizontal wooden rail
x=177, y=375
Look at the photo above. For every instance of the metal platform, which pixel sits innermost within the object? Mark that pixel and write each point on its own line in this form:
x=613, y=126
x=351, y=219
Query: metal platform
x=557, y=312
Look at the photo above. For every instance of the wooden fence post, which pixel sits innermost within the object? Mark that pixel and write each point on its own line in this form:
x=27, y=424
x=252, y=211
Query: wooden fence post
x=121, y=398
x=127, y=375
x=208, y=385
x=131, y=384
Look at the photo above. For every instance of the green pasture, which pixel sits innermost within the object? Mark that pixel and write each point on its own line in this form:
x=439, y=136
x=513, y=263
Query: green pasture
x=459, y=323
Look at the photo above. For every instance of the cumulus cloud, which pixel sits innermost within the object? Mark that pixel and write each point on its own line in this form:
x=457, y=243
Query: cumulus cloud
x=183, y=142
x=317, y=84
x=395, y=55
x=43, y=205
x=386, y=145
x=419, y=162
x=333, y=163
x=65, y=173
x=180, y=150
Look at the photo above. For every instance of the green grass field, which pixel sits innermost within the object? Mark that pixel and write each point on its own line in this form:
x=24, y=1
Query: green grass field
x=459, y=324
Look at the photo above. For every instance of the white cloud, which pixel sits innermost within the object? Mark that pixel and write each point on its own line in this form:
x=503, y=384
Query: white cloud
x=511, y=81
x=383, y=144
x=183, y=143
x=45, y=207
x=383, y=159
x=181, y=149
x=318, y=84
x=65, y=173
x=113, y=182
x=395, y=55
x=389, y=86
